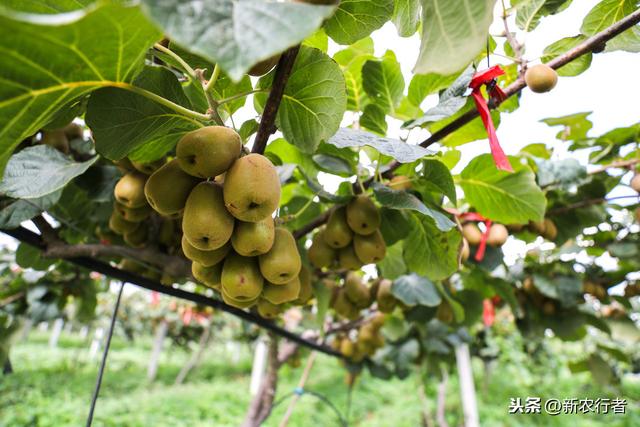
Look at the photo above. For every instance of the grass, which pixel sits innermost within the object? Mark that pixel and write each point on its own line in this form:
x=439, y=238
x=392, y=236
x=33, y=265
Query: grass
x=52, y=387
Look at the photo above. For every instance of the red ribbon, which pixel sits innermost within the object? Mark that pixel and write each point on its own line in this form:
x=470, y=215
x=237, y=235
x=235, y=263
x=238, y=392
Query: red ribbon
x=488, y=78
x=474, y=216
x=488, y=313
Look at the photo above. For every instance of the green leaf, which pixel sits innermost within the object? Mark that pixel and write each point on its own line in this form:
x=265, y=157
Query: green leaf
x=28, y=256
x=394, y=225
x=564, y=173
x=401, y=151
x=423, y=85
x=356, y=19
x=405, y=200
x=236, y=34
x=531, y=11
x=374, y=119
x=52, y=60
x=566, y=289
x=392, y=265
x=600, y=370
x=123, y=122
x=453, y=33
x=608, y=12
x=319, y=40
x=17, y=211
x=429, y=251
x=436, y=177
x=406, y=17
x=310, y=113
x=509, y=198
x=333, y=165
x=225, y=88
x=575, y=126
x=351, y=61
x=383, y=82
x=247, y=129
x=413, y=289
x=39, y=170
x=573, y=68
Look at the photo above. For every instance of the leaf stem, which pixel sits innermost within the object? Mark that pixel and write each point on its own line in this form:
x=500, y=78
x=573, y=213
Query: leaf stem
x=190, y=71
x=214, y=78
x=241, y=95
x=163, y=101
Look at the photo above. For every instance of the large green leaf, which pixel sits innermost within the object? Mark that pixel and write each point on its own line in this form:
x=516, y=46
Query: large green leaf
x=453, y=33
x=573, y=68
x=575, y=126
x=51, y=60
x=310, y=113
x=401, y=151
x=406, y=17
x=123, y=121
x=404, y=200
x=413, y=289
x=423, y=85
x=509, y=198
x=351, y=61
x=531, y=11
x=356, y=19
x=15, y=212
x=383, y=82
x=236, y=34
x=566, y=289
x=606, y=13
x=429, y=251
x=40, y=170
x=435, y=177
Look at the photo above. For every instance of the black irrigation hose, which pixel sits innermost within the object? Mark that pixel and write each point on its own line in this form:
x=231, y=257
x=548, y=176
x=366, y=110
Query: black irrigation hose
x=105, y=353
x=34, y=239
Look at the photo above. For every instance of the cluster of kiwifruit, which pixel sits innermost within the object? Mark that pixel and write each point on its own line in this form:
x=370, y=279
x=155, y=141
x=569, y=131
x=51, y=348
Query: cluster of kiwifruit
x=351, y=237
x=529, y=292
x=226, y=201
x=471, y=235
x=632, y=290
x=355, y=295
x=595, y=289
x=363, y=344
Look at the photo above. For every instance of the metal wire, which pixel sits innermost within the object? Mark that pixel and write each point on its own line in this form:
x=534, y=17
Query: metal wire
x=103, y=363
x=300, y=392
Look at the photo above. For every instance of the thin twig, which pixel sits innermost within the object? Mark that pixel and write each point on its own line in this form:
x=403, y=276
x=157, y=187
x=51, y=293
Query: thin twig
x=267, y=127
x=585, y=203
x=515, y=45
x=622, y=164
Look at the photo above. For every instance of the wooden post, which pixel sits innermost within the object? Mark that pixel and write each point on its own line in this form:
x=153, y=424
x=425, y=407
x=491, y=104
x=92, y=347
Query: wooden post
x=58, y=324
x=259, y=364
x=467, y=387
x=95, y=344
x=158, y=340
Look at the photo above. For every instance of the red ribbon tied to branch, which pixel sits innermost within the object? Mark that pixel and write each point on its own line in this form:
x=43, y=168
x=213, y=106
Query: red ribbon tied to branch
x=474, y=216
x=488, y=78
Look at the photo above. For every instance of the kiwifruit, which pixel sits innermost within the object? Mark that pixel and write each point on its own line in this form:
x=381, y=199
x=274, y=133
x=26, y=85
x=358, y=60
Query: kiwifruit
x=541, y=78
x=344, y=307
x=306, y=288
x=206, y=258
x=498, y=235
x=253, y=238
x=133, y=214
x=346, y=347
x=400, y=182
x=267, y=309
x=369, y=249
x=385, y=299
x=138, y=237
x=356, y=291
x=282, y=263
x=149, y=167
x=119, y=225
x=337, y=232
x=320, y=254
x=550, y=230
x=241, y=278
x=280, y=294
x=209, y=151
x=129, y=191
x=362, y=215
x=465, y=251
x=347, y=259
x=168, y=188
x=237, y=303
x=206, y=223
x=252, y=188
x=210, y=276
x=635, y=183
x=472, y=233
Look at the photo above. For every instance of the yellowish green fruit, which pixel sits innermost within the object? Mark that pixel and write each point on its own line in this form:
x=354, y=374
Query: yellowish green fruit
x=131, y=266
x=206, y=223
x=363, y=216
x=282, y=263
x=280, y=294
x=385, y=299
x=337, y=232
x=267, y=309
x=472, y=233
x=209, y=276
x=169, y=233
x=377, y=321
x=237, y=303
x=138, y=237
x=320, y=254
x=56, y=139
x=252, y=188
x=498, y=235
x=400, y=183
x=465, y=251
x=635, y=183
x=370, y=249
x=347, y=259
x=263, y=67
x=444, y=313
x=206, y=258
x=129, y=190
x=133, y=214
x=356, y=291
x=167, y=280
x=124, y=165
x=168, y=188
x=147, y=168
x=241, y=278
x=344, y=307
x=306, y=288
x=347, y=347
x=541, y=78
x=209, y=151
x=120, y=225
x=538, y=227
x=253, y=238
